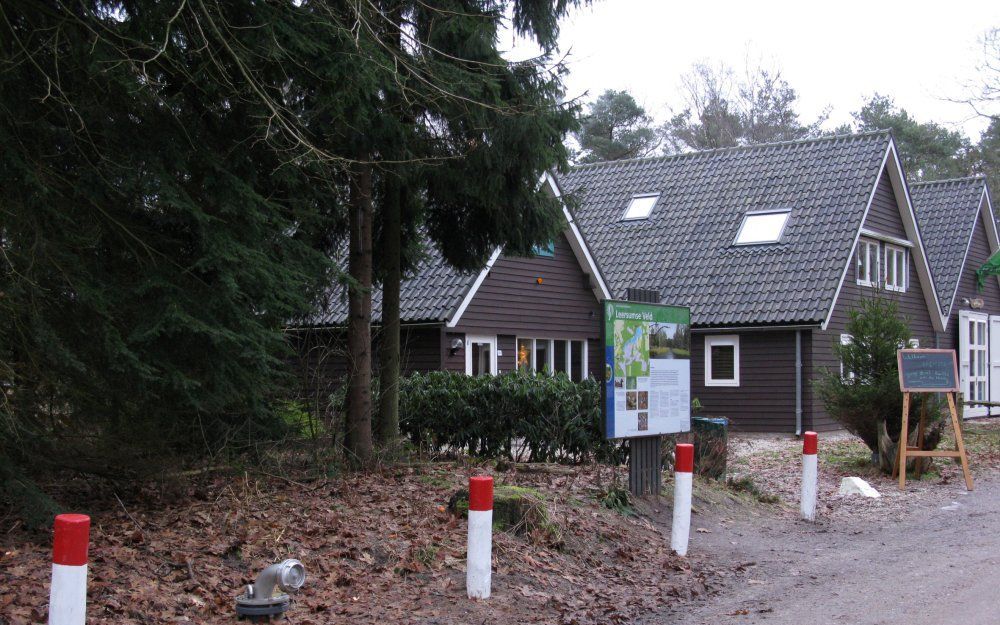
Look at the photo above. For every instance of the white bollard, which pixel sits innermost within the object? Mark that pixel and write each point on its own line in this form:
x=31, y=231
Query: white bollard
x=479, y=565
x=68, y=595
x=810, y=475
x=680, y=529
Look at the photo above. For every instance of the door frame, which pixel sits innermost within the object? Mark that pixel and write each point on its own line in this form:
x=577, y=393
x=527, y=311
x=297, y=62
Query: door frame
x=481, y=339
x=965, y=362
x=993, y=361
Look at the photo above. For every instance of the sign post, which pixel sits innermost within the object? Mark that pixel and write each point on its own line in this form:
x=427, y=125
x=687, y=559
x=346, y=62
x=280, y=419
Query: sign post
x=647, y=382
x=928, y=371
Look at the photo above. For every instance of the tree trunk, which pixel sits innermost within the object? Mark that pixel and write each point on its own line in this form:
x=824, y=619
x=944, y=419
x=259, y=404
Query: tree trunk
x=389, y=347
x=358, y=438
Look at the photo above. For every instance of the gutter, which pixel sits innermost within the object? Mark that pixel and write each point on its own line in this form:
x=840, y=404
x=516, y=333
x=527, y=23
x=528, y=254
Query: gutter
x=717, y=329
x=798, y=382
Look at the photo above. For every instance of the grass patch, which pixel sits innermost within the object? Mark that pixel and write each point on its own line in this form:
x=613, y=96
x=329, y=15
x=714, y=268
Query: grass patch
x=745, y=484
x=849, y=456
x=618, y=498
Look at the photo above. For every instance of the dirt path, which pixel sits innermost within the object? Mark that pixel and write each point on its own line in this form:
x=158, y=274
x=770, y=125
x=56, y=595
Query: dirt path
x=937, y=564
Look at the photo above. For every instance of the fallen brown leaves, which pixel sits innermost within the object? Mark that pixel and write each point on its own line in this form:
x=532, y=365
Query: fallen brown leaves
x=774, y=465
x=378, y=548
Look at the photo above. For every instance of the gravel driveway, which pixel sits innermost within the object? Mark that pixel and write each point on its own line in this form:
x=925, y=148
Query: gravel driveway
x=934, y=560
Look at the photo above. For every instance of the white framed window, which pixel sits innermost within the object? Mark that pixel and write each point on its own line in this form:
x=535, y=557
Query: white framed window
x=640, y=206
x=762, y=227
x=552, y=356
x=867, y=262
x=722, y=360
x=896, y=268
x=846, y=339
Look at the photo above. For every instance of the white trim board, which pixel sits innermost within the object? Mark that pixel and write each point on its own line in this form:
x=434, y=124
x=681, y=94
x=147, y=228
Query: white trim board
x=909, y=219
x=453, y=321
x=888, y=238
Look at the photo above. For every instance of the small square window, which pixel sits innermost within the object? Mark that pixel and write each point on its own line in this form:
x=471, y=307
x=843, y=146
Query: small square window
x=547, y=250
x=765, y=227
x=641, y=206
x=722, y=360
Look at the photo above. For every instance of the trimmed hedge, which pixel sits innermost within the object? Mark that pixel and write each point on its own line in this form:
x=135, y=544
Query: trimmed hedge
x=551, y=418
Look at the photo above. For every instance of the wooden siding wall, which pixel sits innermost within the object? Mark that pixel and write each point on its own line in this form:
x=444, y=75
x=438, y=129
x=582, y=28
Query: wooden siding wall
x=510, y=300
x=979, y=253
x=511, y=303
x=765, y=399
x=884, y=218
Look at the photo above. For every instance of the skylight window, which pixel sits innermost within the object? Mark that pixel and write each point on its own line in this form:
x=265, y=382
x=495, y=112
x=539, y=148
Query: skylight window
x=641, y=206
x=762, y=227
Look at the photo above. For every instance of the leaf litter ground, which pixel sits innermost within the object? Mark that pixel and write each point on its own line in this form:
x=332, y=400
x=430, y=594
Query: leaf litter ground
x=378, y=548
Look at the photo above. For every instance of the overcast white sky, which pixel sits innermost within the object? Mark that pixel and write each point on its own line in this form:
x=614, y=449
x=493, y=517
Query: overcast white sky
x=833, y=53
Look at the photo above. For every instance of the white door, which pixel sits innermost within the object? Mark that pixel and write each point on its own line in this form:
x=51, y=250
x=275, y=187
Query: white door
x=480, y=355
x=994, y=360
x=973, y=352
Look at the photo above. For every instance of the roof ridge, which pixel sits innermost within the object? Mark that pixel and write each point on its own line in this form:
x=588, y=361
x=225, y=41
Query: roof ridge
x=949, y=180
x=754, y=146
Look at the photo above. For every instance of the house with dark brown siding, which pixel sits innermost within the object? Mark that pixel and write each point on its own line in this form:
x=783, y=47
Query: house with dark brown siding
x=960, y=235
x=541, y=313
x=771, y=246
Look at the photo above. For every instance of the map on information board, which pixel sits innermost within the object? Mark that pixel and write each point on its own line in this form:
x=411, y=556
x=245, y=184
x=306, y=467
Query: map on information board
x=647, y=386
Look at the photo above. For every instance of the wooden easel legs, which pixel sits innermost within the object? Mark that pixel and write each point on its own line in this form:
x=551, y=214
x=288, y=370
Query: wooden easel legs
x=905, y=451
x=959, y=441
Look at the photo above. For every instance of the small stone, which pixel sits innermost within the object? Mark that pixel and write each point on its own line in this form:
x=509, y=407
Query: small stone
x=857, y=486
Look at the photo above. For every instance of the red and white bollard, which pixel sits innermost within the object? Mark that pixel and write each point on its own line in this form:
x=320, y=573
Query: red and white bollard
x=479, y=565
x=680, y=529
x=810, y=475
x=68, y=595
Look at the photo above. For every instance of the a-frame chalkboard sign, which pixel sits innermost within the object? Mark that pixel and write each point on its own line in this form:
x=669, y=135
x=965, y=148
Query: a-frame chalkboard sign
x=928, y=371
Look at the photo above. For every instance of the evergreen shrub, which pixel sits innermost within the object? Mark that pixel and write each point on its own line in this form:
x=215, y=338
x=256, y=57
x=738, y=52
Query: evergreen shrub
x=516, y=415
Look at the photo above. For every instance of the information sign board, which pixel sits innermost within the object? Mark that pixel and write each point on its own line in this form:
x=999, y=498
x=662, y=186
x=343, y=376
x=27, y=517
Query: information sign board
x=647, y=377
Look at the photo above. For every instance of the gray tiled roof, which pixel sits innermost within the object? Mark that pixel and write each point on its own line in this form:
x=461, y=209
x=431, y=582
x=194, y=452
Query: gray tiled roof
x=432, y=293
x=947, y=211
x=685, y=248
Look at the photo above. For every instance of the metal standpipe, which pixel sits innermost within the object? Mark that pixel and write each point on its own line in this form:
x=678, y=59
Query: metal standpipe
x=260, y=601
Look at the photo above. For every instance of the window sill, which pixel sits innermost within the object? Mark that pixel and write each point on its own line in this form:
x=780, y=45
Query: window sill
x=729, y=383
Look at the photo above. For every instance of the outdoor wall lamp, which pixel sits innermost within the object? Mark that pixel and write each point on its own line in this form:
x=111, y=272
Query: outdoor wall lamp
x=260, y=601
x=456, y=344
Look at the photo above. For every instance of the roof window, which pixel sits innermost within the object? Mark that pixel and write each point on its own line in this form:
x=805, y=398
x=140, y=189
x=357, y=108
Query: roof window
x=762, y=227
x=641, y=206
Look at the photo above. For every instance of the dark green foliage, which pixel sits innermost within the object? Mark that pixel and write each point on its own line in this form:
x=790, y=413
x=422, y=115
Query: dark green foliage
x=156, y=230
x=929, y=151
x=619, y=499
x=176, y=175
x=616, y=127
x=986, y=158
x=745, y=484
x=550, y=417
x=868, y=391
x=19, y=493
